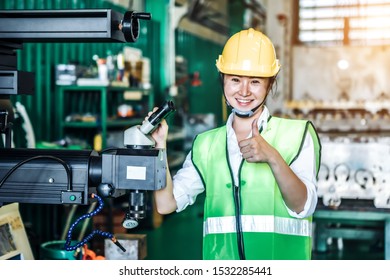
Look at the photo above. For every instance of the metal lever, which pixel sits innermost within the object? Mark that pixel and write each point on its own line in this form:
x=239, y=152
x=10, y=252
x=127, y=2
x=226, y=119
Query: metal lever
x=130, y=25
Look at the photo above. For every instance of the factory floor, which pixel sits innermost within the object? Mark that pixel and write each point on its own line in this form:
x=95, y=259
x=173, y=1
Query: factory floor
x=179, y=237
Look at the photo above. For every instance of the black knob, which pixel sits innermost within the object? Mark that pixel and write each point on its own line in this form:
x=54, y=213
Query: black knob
x=130, y=25
x=104, y=190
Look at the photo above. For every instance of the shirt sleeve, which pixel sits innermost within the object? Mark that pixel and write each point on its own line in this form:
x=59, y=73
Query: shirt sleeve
x=187, y=185
x=305, y=168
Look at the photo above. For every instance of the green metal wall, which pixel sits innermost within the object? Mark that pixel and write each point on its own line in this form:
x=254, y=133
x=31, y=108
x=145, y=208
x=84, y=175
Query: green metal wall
x=201, y=56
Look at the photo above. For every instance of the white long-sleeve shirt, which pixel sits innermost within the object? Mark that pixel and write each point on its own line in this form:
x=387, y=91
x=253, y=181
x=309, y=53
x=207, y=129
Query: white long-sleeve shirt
x=187, y=184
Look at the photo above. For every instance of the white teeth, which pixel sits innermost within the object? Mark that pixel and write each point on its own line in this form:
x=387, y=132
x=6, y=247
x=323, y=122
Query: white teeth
x=243, y=101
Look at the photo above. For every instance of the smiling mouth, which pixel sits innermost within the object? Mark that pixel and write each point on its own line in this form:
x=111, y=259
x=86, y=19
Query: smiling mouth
x=244, y=102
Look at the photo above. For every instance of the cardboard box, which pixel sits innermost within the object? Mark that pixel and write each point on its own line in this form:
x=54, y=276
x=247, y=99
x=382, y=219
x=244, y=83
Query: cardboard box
x=135, y=245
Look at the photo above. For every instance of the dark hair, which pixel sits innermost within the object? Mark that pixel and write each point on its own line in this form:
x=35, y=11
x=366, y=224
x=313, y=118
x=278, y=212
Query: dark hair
x=273, y=86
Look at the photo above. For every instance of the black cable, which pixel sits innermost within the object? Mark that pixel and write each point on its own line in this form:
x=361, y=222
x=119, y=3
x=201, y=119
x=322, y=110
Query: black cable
x=365, y=178
x=68, y=247
x=108, y=150
x=340, y=165
x=326, y=169
x=63, y=163
x=240, y=238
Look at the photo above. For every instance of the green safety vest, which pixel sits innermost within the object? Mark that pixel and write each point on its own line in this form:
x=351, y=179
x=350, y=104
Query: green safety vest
x=263, y=228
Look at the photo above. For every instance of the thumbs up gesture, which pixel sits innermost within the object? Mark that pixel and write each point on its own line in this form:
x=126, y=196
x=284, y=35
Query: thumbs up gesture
x=255, y=129
x=255, y=148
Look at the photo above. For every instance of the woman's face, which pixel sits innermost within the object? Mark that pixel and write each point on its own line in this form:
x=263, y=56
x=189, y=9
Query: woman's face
x=245, y=93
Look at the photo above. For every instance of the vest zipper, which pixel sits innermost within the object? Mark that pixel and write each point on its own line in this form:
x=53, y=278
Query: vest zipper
x=237, y=204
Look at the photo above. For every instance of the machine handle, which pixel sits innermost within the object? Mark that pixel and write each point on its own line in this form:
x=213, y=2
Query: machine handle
x=154, y=120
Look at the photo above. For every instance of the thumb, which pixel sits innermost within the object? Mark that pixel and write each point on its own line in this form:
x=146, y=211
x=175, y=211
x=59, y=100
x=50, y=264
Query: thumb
x=255, y=129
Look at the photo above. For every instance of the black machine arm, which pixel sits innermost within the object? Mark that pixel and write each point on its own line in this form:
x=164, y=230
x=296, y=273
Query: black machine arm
x=85, y=25
x=52, y=176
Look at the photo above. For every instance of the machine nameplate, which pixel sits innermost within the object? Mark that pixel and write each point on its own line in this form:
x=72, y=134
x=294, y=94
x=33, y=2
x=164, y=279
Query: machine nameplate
x=136, y=173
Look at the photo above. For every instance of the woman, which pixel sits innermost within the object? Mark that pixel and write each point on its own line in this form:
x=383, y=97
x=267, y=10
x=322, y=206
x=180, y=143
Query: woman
x=258, y=171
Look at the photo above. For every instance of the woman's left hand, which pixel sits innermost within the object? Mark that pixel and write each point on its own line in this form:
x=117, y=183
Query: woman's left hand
x=255, y=148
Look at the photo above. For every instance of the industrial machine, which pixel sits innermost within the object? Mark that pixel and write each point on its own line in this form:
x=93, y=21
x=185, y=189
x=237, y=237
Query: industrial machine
x=354, y=169
x=45, y=176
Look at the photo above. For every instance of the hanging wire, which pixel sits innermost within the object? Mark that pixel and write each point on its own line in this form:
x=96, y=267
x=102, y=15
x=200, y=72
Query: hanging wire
x=69, y=247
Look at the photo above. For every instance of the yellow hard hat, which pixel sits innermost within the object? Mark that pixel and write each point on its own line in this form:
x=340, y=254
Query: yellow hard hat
x=249, y=53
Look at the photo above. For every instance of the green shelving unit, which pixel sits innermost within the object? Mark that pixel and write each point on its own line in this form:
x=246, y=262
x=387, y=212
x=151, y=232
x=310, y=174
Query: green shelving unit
x=96, y=108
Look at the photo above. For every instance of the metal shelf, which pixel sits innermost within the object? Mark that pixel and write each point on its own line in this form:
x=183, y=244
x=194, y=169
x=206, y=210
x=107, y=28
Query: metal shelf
x=101, y=102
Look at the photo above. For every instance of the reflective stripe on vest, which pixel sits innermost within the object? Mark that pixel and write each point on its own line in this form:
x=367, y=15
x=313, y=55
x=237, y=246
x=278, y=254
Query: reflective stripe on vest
x=258, y=223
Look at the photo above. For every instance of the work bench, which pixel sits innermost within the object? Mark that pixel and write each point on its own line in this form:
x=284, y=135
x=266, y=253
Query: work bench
x=356, y=220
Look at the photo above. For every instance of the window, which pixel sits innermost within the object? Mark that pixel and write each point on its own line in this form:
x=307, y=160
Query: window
x=343, y=22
